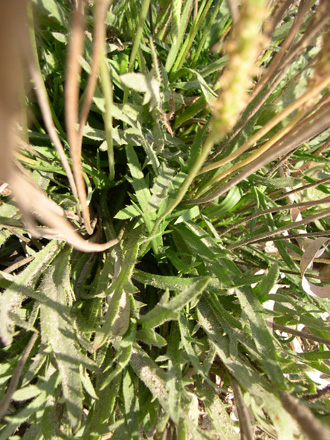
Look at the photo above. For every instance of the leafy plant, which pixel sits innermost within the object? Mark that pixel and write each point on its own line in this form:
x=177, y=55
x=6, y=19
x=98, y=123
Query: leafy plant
x=164, y=219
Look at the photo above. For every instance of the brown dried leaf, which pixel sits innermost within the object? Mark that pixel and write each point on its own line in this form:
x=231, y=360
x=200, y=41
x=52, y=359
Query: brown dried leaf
x=34, y=203
x=314, y=250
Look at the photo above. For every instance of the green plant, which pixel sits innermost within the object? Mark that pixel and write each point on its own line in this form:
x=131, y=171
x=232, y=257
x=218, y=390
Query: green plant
x=156, y=273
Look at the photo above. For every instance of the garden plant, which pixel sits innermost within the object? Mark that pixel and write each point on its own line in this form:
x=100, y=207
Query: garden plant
x=164, y=211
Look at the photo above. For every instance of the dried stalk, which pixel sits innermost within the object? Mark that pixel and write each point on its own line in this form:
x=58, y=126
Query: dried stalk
x=283, y=147
x=304, y=417
x=277, y=209
x=72, y=82
x=292, y=225
x=4, y=405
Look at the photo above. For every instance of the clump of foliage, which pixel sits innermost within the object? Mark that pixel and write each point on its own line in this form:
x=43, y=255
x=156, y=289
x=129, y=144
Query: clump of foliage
x=165, y=213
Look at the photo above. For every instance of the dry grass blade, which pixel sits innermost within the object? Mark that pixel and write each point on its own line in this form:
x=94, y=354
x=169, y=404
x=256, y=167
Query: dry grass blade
x=75, y=51
x=11, y=21
x=303, y=415
x=274, y=66
x=275, y=77
x=33, y=202
x=312, y=251
x=292, y=225
x=294, y=332
x=297, y=104
x=41, y=93
x=244, y=415
x=4, y=404
x=98, y=43
x=276, y=209
x=283, y=147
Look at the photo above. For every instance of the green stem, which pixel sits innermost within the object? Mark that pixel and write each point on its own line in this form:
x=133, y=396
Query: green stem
x=192, y=34
x=108, y=101
x=184, y=187
x=137, y=40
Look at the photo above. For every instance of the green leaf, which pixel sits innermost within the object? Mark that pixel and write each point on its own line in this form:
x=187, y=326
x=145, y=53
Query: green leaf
x=129, y=211
x=53, y=9
x=226, y=205
x=131, y=403
x=140, y=186
x=12, y=297
x=268, y=281
x=14, y=421
x=246, y=376
x=26, y=393
x=174, y=375
x=173, y=53
x=57, y=330
x=165, y=282
x=161, y=187
x=194, y=242
x=164, y=312
x=216, y=410
x=146, y=84
x=263, y=339
x=87, y=383
x=117, y=288
x=149, y=336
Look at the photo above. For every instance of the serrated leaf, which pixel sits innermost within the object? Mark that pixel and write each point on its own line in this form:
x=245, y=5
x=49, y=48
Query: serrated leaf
x=169, y=311
x=129, y=211
x=249, y=378
x=57, y=330
x=117, y=288
x=263, y=339
x=140, y=186
x=166, y=282
x=174, y=375
x=14, y=421
x=216, y=410
x=12, y=297
x=161, y=187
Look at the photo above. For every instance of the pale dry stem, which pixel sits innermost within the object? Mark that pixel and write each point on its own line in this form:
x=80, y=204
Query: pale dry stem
x=72, y=82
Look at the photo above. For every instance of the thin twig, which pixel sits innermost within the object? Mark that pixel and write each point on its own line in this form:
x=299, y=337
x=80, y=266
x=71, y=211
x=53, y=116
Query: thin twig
x=4, y=405
x=98, y=42
x=41, y=93
x=289, y=236
x=286, y=145
x=320, y=394
x=276, y=209
x=304, y=417
x=75, y=51
x=292, y=225
x=301, y=188
x=19, y=264
x=282, y=196
x=244, y=416
x=303, y=335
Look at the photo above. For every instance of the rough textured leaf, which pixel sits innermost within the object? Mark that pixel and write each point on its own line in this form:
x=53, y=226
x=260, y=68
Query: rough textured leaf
x=163, y=312
x=57, y=330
